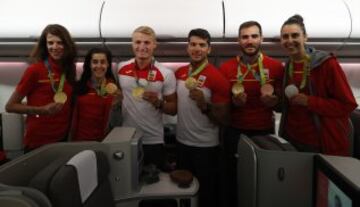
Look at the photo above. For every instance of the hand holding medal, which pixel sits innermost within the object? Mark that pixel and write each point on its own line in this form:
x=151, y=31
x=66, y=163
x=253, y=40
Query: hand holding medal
x=267, y=90
x=118, y=98
x=291, y=91
x=239, y=99
x=190, y=83
x=237, y=88
x=138, y=92
x=111, y=88
x=267, y=95
x=152, y=98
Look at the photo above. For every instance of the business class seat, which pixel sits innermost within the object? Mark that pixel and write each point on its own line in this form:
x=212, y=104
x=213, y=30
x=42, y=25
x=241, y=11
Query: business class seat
x=79, y=181
x=15, y=196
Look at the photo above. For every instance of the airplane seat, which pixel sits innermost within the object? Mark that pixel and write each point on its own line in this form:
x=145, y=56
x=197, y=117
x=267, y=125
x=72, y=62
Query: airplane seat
x=355, y=119
x=12, y=127
x=15, y=196
x=81, y=180
x=351, y=137
x=268, y=172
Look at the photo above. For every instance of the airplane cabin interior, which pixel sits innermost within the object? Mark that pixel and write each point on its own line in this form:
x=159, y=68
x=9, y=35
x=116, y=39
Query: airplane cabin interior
x=109, y=172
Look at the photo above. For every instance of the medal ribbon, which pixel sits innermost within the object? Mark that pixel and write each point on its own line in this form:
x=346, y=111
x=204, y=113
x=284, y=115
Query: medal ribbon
x=198, y=70
x=52, y=81
x=306, y=71
x=148, y=76
x=101, y=91
x=241, y=76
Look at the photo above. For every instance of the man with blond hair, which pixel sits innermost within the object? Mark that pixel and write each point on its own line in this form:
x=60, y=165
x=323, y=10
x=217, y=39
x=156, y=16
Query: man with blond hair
x=149, y=90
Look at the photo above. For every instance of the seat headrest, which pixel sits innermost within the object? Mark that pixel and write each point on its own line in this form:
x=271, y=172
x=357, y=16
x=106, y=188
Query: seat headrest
x=85, y=164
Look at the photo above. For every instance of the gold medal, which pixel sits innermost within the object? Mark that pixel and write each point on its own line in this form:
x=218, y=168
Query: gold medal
x=267, y=89
x=110, y=88
x=190, y=83
x=138, y=92
x=237, y=88
x=60, y=97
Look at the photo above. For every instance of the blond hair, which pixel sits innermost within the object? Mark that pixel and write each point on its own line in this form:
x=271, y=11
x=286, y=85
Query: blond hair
x=145, y=30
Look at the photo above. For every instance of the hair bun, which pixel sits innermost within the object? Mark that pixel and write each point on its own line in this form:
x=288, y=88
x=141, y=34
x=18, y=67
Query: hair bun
x=298, y=18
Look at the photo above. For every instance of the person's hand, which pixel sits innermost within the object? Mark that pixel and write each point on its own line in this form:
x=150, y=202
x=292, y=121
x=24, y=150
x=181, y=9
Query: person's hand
x=118, y=97
x=152, y=98
x=198, y=96
x=51, y=108
x=239, y=99
x=299, y=99
x=269, y=100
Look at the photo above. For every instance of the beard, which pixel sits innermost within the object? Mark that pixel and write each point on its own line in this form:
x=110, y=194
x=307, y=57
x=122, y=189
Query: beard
x=250, y=54
x=198, y=61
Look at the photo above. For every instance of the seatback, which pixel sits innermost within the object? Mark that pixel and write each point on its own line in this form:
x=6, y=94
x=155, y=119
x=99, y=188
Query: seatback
x=16, y=196
x=79, y=181
x=272, y=142
x=268, y=171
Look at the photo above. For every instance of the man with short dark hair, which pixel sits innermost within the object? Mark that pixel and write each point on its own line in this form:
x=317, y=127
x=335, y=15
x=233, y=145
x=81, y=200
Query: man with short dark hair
x=255, y=79
x=202, y=106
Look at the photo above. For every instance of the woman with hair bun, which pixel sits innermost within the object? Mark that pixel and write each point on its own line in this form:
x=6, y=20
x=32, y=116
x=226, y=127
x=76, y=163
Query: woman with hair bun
x=317, y=99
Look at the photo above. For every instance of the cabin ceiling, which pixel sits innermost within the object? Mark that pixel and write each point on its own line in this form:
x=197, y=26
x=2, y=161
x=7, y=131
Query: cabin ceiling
x=331, y=25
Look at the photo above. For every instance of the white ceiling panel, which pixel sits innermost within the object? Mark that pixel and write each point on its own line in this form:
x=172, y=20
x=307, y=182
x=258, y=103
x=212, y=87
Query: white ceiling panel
x=170, y=18
x=26, y=19
x=354, y=8
x=322, y=18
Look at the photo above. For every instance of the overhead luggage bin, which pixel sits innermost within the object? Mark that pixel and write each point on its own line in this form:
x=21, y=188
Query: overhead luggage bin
x=169, y=19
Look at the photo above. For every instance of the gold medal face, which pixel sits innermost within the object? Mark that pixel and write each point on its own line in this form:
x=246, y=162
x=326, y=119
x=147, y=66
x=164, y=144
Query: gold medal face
x=60, y=97
x=237, y=88
x=190, y=83
x=138, y=92
x=110, y=88
x=267, y=89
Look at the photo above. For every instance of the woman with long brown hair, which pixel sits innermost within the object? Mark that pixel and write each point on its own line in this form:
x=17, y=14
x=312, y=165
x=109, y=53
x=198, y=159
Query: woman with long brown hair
x=47, y=86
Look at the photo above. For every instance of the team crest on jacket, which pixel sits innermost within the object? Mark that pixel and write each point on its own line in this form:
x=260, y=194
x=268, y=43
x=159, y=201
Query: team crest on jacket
x=152, y=75
x=201, y=81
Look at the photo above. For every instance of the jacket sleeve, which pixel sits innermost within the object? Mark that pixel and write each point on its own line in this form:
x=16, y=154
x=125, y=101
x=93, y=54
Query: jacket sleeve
x=334, y=97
